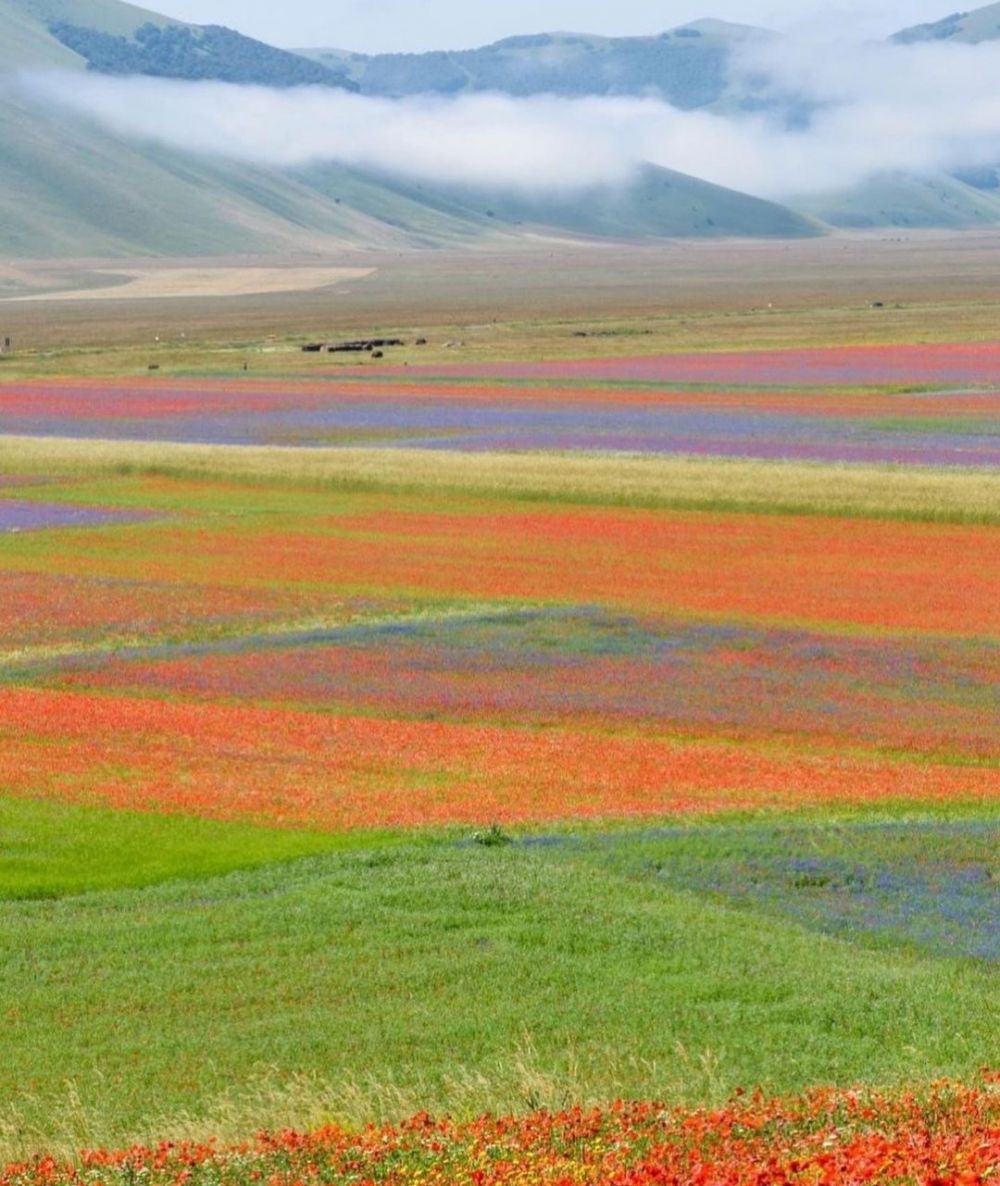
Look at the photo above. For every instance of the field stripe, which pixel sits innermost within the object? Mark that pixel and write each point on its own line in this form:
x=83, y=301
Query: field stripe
x=681, y=483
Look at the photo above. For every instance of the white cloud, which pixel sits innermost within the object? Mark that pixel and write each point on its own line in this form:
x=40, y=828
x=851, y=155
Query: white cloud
x=923, y=107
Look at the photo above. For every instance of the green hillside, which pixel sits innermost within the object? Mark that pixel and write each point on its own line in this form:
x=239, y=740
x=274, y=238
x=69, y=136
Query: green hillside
x=905, y=201
x=982, y=24
x=26, y=42
x=69, y=187
x=688, y=65
x=194, y=53
x=659, y=203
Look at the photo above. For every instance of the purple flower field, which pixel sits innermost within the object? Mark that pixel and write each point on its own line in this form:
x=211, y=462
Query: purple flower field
x=22, y=515
x=946, y=429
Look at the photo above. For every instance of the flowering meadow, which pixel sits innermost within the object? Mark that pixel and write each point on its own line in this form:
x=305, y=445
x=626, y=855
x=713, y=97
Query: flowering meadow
x=417, y=660
x=484, y=738
x=601, y=414
x=948, y=1136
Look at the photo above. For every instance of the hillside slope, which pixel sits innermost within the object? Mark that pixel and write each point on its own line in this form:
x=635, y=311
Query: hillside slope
x=70, y=187
x=687, y=65
x=67, y=188
x=657, y=203
x=982, y=24
x=25, y=40
x=903, y=200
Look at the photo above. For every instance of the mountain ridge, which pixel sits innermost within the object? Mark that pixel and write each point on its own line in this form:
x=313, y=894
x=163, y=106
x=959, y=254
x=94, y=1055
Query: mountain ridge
x=68, y=186
x=687, y=65
x=979, y=25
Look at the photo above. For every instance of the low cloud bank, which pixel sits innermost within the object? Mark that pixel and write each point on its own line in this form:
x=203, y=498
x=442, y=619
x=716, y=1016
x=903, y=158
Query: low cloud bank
x=874, y=108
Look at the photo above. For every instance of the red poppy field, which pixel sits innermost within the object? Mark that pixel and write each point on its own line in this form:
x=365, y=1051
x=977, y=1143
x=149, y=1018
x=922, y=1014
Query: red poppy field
x=687, y=755
x=345, y=667
x=949, y=1136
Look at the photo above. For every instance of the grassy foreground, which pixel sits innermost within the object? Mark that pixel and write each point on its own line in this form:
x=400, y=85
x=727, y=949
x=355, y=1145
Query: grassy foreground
x=948, y=1135
x=460, y=976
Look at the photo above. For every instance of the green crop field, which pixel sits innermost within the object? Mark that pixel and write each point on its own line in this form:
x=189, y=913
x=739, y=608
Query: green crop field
x=460, y=976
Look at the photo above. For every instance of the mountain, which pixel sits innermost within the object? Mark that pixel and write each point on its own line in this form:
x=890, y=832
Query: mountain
x=112, y=37
x=656, y=203
x=687, y=66
x=67, y=188
x=25, y=40
x=904, y=200
x=982, y=24
x=70, y=187
x=210, y=52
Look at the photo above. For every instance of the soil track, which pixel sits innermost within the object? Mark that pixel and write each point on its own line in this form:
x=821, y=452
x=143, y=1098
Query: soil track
x=145, y=283
x=943, y=282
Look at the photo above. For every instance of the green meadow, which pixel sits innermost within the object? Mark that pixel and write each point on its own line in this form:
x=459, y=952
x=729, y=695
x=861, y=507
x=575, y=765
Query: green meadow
x=169, y=978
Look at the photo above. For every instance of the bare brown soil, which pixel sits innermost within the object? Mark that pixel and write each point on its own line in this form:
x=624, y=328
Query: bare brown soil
x=926, y=282
x=210, y=280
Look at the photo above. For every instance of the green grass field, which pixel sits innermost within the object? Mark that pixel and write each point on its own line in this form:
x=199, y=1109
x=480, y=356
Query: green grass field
x=388, y=975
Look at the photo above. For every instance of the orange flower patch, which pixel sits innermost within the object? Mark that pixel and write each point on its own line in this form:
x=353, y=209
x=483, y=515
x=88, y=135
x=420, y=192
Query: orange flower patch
x=949, y=1136
x=781, y=569
x=294, y=768
x=50, y=609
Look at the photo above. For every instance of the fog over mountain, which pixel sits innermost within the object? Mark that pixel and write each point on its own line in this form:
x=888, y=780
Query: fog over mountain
x=126, y=131
x=858, y=110
x=404, y=27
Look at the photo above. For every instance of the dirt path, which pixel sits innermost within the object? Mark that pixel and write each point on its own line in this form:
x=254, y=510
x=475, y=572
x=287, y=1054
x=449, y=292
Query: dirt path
x=158, y=282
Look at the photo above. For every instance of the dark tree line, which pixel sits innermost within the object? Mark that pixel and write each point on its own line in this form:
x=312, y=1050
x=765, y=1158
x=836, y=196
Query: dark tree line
x=210, y=52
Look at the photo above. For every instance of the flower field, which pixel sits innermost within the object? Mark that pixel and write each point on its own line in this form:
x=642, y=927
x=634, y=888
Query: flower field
x=949, y=1136
x=427, y=661
x=495, y=737
x=911, y=364
x=813, y=420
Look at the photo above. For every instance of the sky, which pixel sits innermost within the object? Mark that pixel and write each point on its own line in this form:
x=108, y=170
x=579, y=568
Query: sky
x=414, y=25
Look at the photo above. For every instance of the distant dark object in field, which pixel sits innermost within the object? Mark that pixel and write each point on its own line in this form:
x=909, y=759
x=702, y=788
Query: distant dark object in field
x=153, y=366
x=878, y=304
x=420, y=342
x=611, y=333
x=5, y=346
x=360, y=346
x=377, y=354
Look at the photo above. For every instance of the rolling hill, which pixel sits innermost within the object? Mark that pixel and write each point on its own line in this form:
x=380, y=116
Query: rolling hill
x=67, y=188
x=688, y=66
x=982, y=24
x=70, y=187
x=904, y=200
x=656, y=203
